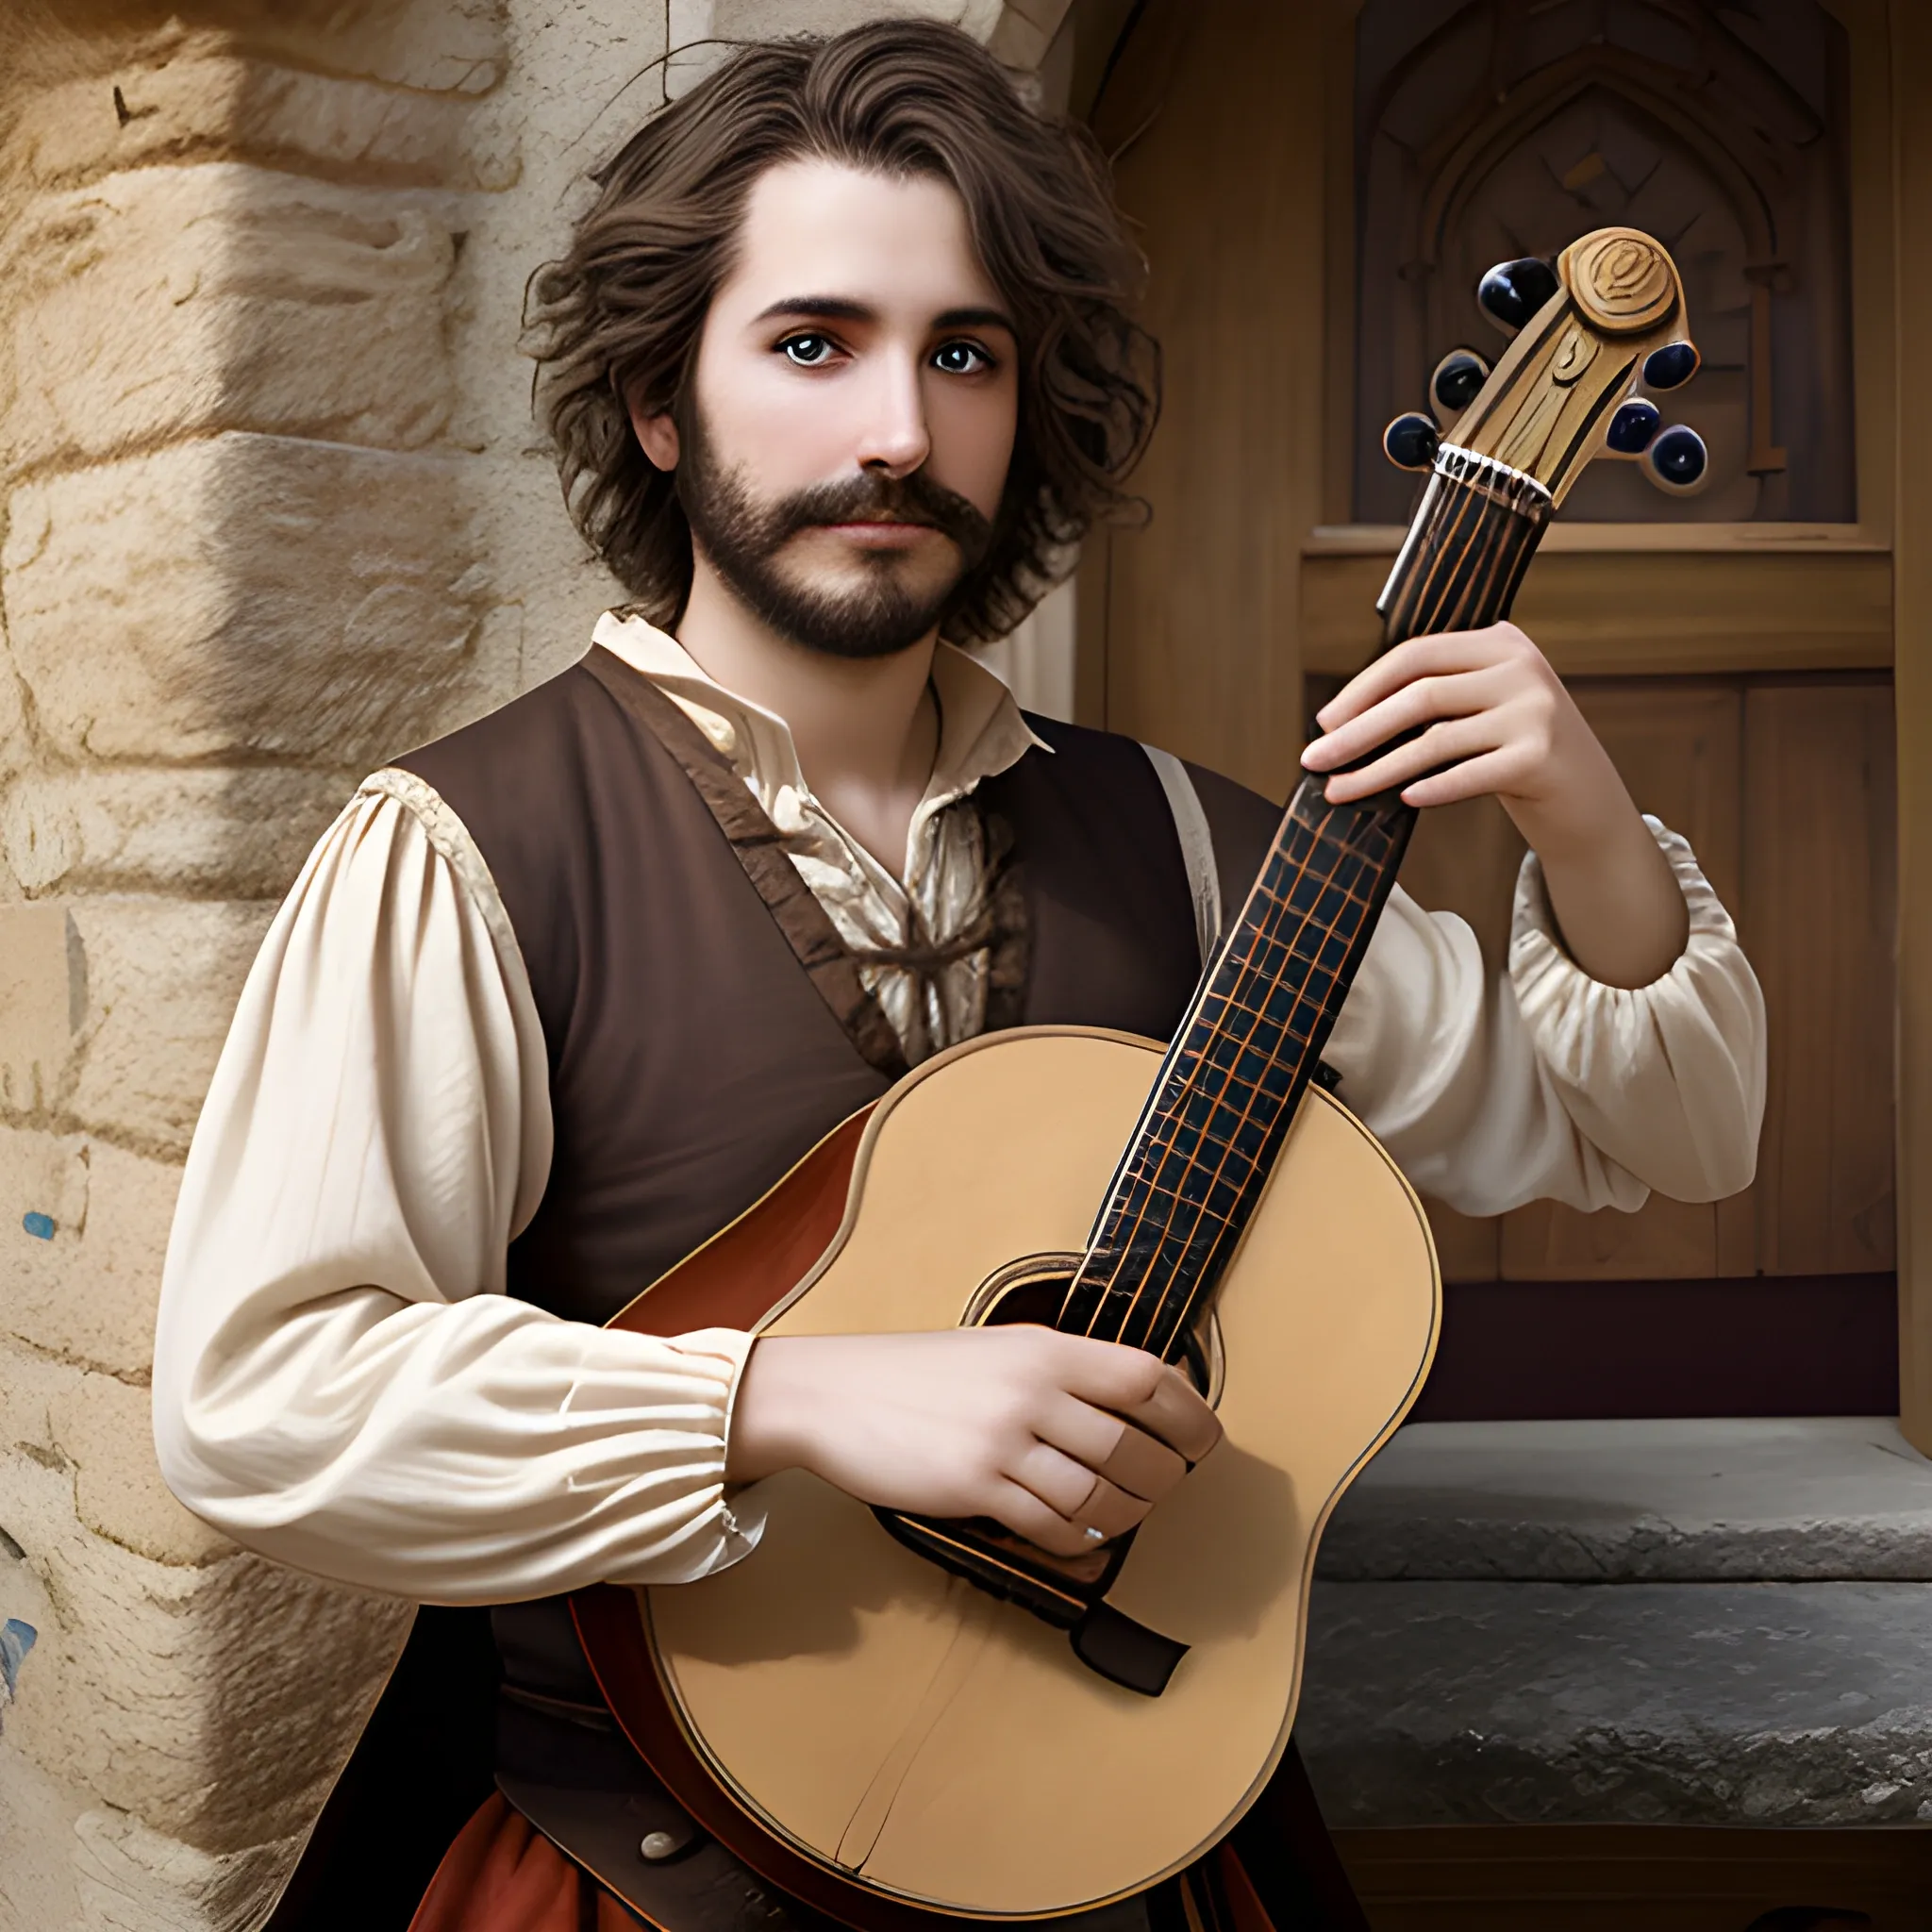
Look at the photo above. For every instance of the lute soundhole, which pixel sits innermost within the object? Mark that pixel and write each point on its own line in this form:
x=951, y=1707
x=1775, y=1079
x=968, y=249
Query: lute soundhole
x=1034, y=1289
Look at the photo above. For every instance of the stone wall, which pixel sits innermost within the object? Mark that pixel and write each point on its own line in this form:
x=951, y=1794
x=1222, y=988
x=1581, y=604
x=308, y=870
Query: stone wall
x=271, y=511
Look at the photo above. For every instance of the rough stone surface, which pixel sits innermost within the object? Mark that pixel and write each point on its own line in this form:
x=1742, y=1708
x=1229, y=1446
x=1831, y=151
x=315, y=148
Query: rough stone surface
x=1830, y=1497
x=214, y=1699
x=87, y=1295
x=702, y=32
x=199, y=831
x=275, y=303
x=163, y=977
x=43, y=1001
x=1526, y=1703
x=192, y=99
x=101, y=1427
x=129, y=1878
x=263, y=595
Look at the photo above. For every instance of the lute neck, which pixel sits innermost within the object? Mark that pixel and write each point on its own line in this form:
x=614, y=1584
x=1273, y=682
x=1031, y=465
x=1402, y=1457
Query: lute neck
x=1252, y=1040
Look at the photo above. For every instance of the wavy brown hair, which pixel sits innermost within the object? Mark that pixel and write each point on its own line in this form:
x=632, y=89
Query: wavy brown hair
x=621, y=313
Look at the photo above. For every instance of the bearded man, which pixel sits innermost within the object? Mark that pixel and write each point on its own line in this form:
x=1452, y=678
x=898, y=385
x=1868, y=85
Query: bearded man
x=840, y=367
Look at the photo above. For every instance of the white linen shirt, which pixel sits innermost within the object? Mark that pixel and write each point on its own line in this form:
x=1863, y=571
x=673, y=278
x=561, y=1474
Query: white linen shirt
x=341, y=1381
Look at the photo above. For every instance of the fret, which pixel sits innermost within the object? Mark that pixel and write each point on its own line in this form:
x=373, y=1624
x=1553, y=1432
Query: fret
x=1252, y=1037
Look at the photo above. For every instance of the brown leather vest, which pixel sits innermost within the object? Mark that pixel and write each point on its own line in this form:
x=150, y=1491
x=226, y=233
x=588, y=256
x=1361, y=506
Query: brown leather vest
x=693, y=1061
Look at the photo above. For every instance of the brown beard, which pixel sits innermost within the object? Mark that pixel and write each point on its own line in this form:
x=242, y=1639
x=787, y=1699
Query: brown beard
x=875, y=618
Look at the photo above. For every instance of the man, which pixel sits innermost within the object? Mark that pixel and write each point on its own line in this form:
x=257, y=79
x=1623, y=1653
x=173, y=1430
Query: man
x=839, y=367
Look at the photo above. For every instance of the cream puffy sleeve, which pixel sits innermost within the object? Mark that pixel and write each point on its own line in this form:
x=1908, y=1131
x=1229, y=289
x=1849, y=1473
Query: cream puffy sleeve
x=341, y=1381
x=1544, y=1084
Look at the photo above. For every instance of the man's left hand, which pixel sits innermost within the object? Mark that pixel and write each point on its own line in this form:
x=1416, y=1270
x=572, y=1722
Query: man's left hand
x=1493, y=717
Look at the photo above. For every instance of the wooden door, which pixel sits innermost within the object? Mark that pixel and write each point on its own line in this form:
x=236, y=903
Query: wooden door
x=1735, y=663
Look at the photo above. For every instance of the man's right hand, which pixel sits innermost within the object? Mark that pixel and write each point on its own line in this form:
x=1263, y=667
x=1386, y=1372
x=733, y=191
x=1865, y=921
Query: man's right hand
x=1051, y=1435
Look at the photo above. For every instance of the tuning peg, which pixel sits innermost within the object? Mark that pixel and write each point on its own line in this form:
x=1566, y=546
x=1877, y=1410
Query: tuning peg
x=1633, y=428
x=1454, y=383
x=1512, y=291
x=1672, y=366
x=1412, y=441
x=1677, y=460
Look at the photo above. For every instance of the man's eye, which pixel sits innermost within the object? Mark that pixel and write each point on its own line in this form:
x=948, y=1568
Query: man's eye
x=961, y=359
x=808, y=351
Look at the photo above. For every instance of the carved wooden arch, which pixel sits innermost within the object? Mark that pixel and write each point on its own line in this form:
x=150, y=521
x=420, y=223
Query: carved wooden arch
x=1457, y=166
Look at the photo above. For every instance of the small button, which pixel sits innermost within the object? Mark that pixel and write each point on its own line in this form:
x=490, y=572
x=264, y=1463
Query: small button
x=656, y=1845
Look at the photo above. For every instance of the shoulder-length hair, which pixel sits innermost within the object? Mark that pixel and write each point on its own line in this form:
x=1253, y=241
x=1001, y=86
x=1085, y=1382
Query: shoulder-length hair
x=620, y=315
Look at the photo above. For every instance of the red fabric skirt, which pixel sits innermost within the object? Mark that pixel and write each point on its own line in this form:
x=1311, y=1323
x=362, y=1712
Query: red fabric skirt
x=502, y=1874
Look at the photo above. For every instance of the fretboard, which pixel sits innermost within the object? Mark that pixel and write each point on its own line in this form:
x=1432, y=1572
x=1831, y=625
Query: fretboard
x=1252, y=1040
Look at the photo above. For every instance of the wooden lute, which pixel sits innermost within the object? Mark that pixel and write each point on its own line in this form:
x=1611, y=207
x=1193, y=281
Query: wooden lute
x=885, y=1716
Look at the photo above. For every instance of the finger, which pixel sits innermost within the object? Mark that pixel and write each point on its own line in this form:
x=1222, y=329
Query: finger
x=1026, y=1515
x=1111, y=1511
x=1439, y=746
x=1132, y=1383
x=1443, y=651
x=1179, y=1416
x=1064, y=1485
x=1458, y=695
x=1143, y=1465
x=1496, y=771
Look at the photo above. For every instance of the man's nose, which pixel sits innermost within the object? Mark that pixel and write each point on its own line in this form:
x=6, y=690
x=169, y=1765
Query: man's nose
x=896, y=440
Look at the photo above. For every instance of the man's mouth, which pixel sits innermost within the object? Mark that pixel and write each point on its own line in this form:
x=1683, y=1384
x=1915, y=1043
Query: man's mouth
x=882, y=533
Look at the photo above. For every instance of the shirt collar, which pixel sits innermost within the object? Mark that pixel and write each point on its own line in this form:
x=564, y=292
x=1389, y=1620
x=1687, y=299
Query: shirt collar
x=982, y=730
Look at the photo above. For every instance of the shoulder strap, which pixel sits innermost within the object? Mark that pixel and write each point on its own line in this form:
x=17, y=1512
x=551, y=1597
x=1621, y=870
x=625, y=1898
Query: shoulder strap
x=761, y=850
x=1197, y=845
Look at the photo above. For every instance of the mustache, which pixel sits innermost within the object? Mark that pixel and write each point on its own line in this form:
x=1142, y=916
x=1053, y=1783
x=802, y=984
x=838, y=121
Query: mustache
x=870, y=497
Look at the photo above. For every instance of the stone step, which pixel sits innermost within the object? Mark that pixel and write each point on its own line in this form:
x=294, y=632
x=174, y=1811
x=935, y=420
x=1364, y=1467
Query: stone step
x=1453, y=1703
x=1831, y=1498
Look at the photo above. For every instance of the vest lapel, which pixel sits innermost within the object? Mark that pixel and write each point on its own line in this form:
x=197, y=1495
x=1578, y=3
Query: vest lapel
x=759, y=847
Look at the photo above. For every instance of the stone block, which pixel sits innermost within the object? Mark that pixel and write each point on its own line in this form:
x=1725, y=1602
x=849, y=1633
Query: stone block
x=43, y=1001
x=1796, y=1499
x=244, y=594
x=200, y=831
x=455, y=46
x=101, y=1427
x=702, y=32
x=216, y=1701
x=163, y=983
x=131, y=1879
x=1800, y=1704
x=195, y=99
x=86, y=1295
x=172, y=301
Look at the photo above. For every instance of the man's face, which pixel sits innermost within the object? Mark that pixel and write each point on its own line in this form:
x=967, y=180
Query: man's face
x=854, y=408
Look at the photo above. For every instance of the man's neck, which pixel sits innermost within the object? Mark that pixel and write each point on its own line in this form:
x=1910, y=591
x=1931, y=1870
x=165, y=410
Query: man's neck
x=866, y=729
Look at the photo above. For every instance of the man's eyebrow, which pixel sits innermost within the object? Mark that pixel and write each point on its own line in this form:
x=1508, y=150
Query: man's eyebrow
x=843, y=309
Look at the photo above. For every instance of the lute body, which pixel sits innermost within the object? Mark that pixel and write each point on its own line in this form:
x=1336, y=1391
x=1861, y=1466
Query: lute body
x=877, y=1716
x=857, y=1710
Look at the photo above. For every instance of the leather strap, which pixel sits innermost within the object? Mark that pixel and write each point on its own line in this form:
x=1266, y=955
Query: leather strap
x=1197, y=845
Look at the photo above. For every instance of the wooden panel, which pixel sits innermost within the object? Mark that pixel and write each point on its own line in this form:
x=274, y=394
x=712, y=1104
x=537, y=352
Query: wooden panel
x=1221, y=110
x=1680, y=750
x=1819, y=920
x=1911, y=77
x=1609, y=613
x=1610, y=1877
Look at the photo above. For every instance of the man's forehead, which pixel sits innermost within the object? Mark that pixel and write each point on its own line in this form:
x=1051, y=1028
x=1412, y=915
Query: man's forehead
x=826, y=237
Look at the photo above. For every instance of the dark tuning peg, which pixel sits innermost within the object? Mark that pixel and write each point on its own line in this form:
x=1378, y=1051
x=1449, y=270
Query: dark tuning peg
x=1677, y=460
x=1457, y=379
x=1672, y=366
x=1632, y=427
x=1512, y=291
x=1410, y=441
